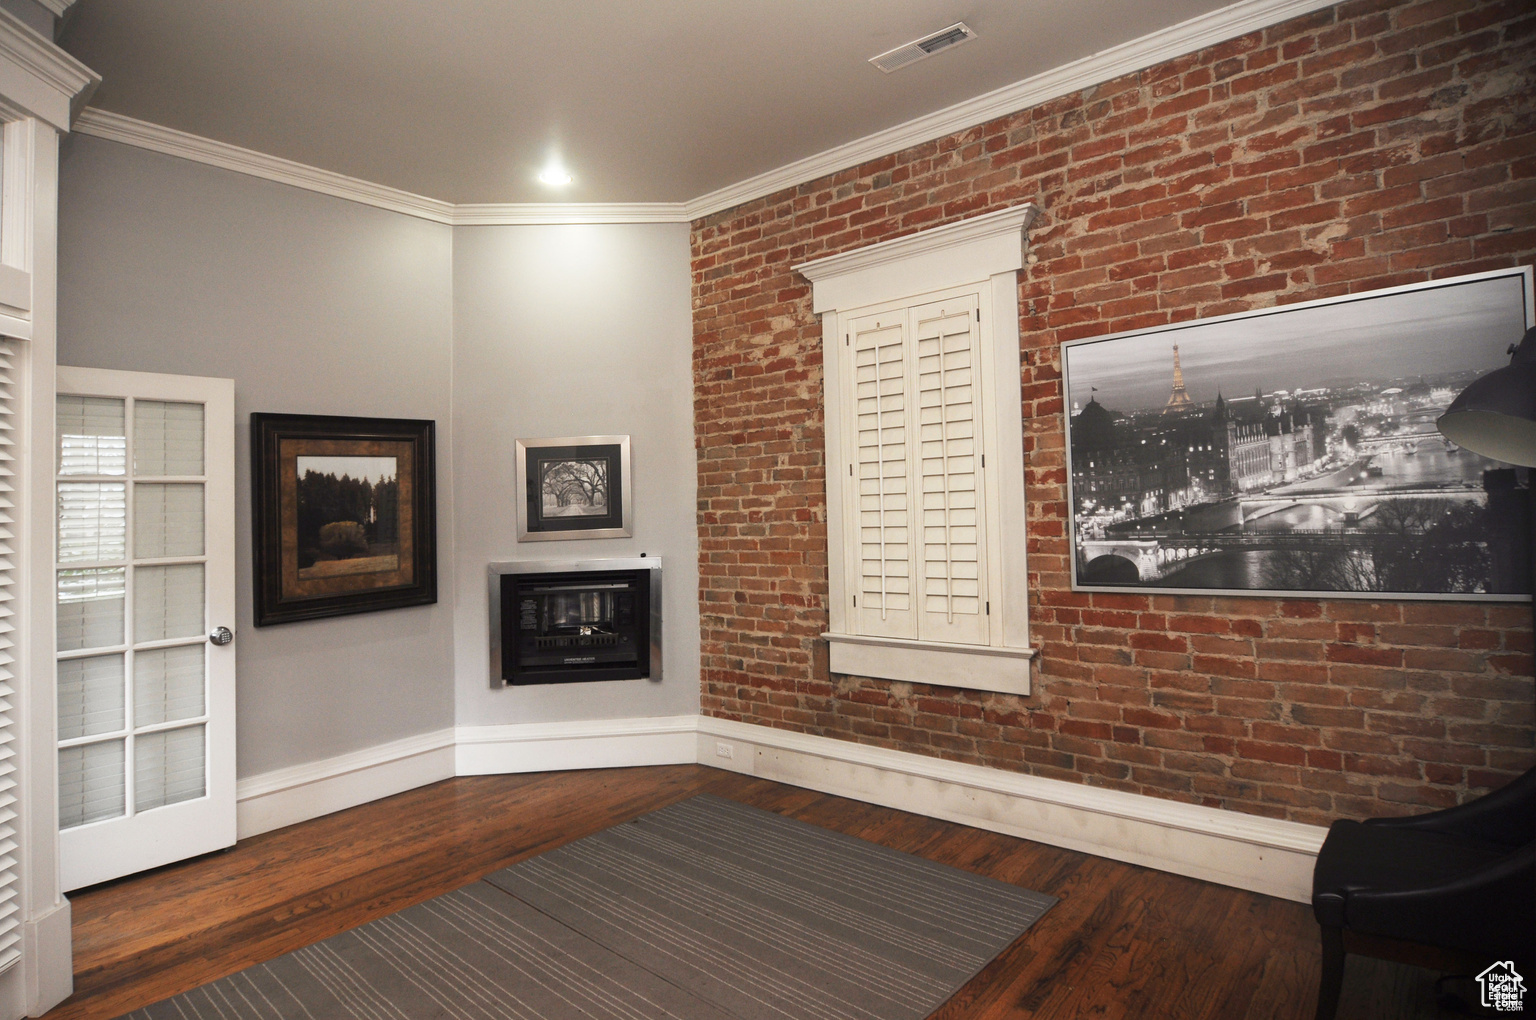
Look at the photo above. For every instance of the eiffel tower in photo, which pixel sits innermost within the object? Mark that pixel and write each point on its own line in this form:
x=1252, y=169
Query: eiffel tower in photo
x=1178, y=400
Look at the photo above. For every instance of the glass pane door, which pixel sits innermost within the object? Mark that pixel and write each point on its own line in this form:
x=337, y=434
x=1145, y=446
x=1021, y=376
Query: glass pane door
x=135, y=676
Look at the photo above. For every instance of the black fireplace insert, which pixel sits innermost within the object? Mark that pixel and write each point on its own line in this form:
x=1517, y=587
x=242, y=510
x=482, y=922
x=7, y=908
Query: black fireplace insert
x=572, y=621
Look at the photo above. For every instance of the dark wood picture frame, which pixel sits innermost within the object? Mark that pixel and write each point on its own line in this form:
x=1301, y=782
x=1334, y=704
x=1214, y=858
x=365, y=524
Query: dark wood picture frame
x=386, y=561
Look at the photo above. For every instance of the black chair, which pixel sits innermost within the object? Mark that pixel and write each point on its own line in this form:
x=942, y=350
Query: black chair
x=1460, y=881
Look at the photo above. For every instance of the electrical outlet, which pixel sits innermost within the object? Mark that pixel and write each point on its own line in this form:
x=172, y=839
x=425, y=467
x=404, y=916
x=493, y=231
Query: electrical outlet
x=724, y=750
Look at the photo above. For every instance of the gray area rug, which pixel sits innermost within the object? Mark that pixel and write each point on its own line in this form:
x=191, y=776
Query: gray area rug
x=705, y=910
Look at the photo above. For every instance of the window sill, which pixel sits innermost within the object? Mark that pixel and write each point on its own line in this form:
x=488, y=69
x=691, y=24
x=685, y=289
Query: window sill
x=975, y=667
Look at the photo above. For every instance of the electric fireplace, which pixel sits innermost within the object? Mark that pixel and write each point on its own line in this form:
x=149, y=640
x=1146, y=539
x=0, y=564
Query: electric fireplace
x=566, y=621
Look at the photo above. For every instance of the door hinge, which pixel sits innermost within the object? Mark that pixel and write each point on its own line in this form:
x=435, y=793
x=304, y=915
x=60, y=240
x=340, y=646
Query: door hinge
x=978, y=315
x=989, y=609
x=855, y=600
x=983, y=460
x=845, y=339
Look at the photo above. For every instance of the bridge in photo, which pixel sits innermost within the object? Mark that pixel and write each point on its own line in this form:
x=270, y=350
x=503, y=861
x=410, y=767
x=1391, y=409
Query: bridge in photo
x=1154, y=555
x=1404, y=442
x=1357, y=502
x=1156, y=552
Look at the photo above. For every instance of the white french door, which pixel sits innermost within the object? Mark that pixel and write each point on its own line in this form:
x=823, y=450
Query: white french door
x=145, y=600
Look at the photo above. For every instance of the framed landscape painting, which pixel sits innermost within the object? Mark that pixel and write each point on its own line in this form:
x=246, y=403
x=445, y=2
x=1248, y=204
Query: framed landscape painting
x=344, y=515
x=576, y=487
x=1294, y=451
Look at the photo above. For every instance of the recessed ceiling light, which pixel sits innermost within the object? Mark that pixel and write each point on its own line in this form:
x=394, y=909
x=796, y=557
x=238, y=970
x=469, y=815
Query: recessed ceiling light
x=927, y=46
x=555, y=175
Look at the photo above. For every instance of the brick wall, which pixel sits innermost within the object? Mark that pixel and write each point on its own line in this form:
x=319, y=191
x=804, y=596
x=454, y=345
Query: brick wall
x=1363, y=146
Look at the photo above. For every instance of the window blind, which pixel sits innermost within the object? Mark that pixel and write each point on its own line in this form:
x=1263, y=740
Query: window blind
x=10, y=906
x=130, y=488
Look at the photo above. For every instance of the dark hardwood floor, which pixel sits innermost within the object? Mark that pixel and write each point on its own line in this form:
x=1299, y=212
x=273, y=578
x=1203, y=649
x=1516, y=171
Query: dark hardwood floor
x=1123, y=942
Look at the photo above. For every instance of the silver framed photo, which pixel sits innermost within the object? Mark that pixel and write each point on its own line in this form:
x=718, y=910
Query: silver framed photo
x=1293, y=450
x=573, y=487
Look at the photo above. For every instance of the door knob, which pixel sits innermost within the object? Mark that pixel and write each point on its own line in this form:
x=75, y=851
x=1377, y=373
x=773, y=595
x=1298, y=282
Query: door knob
x=222, y=636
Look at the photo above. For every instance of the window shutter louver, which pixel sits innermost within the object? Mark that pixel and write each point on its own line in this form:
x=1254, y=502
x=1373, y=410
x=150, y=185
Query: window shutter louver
x=885, y=598
x=10, y=920
x=949, y=464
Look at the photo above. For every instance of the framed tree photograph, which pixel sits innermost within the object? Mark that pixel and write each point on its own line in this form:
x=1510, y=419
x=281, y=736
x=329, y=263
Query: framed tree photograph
x=575, y=487
x=1293, y=450
x=343, y=513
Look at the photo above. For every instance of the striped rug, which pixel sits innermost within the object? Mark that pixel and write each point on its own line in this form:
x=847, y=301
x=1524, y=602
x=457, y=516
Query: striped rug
x=705, y=910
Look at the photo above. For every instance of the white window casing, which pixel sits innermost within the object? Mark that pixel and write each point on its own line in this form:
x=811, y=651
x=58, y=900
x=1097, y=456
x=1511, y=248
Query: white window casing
x=925, y=455
x=41, y=87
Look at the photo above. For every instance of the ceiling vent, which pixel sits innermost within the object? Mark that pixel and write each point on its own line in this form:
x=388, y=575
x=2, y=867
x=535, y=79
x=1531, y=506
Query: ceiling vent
x=927, y=46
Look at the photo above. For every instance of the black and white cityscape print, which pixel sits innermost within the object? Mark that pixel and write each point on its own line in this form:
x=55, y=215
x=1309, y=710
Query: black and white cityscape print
x=1296, y=450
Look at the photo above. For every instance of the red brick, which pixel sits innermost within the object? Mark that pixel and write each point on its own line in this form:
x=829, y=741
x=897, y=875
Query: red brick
x=1370, y=144
x=1365, y=656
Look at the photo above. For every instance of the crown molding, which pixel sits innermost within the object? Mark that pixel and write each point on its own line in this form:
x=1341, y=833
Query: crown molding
x=527, y=213
x=1106, y=65
x=118, y=128
x=57, y=7
x=1186, y=37
x=39, y=78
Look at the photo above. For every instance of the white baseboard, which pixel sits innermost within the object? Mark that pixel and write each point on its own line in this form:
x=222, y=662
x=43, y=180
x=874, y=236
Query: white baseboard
x=301, y=792
x=45, y=959
x=1259, y=854
x=1244, y=851
x=40, y=978
x=590, y=744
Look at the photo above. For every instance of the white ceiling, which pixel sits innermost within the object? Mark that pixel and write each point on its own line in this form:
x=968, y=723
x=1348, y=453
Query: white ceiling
x=645, y=100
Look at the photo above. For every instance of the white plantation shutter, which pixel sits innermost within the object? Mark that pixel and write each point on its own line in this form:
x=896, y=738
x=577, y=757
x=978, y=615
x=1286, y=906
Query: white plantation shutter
x=915, y=473
x=949, y=457
x=884, y=601
x=10, y=920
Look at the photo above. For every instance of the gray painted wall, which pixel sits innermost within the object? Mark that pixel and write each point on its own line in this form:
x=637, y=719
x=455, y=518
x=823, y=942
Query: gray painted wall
x=570, y=331
x=318, y=305
x=312, y=305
